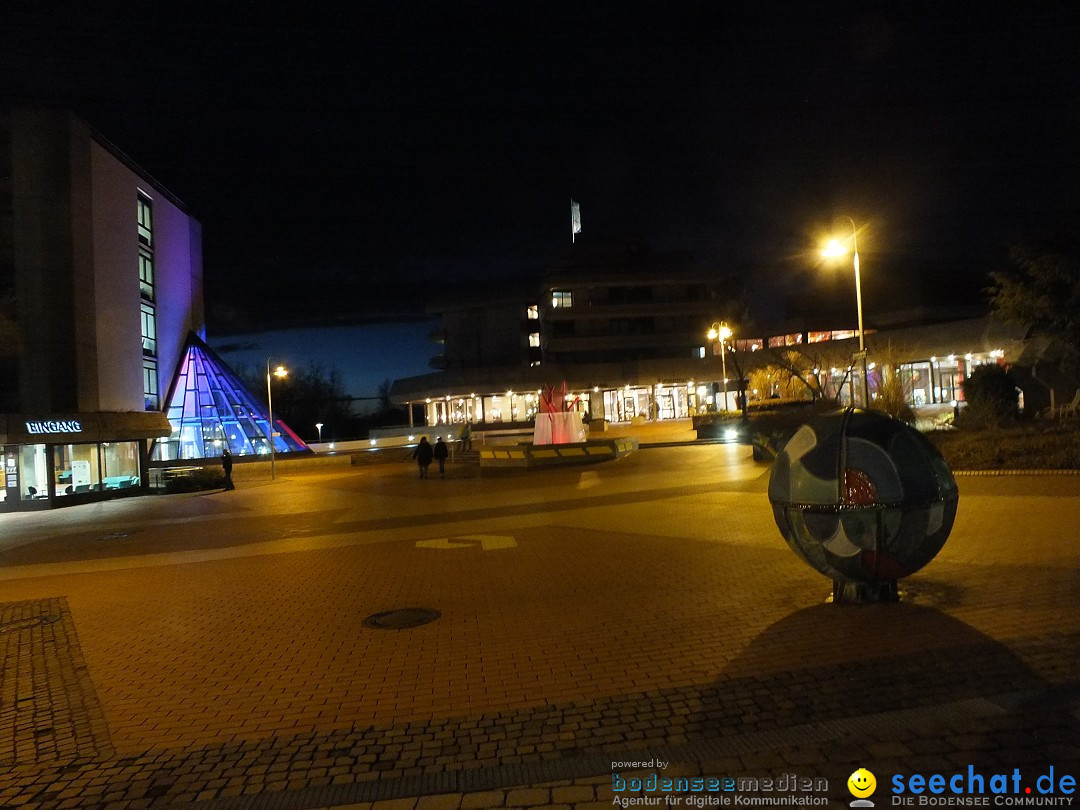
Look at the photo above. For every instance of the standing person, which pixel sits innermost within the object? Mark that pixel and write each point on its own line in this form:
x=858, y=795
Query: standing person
x=423, y=455
x=226, y=465
x=466, y=437
x=440, y=452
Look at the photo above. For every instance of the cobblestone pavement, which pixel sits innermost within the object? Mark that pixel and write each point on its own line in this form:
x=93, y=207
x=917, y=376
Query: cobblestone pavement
x=637, y=618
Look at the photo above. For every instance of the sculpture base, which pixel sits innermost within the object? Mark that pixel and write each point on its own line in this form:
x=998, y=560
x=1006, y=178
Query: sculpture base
x=864, y=593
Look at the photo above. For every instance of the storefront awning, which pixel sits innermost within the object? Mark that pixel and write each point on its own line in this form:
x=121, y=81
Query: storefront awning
x=76, y=428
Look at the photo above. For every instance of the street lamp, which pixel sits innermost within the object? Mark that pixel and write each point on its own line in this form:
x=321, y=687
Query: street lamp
x=318, y=427
x=832, y=250
x=721, y=330
x=279, y=372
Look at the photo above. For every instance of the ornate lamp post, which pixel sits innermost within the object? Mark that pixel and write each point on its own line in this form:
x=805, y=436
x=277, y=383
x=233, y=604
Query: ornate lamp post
x=723, y=332
x=279, y=372
x=835, y=248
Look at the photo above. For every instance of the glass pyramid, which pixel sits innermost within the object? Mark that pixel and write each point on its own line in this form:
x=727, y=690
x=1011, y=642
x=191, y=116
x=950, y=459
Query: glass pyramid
x=209, y=407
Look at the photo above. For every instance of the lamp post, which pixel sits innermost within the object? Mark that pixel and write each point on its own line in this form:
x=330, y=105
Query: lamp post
x=720, y=330
x=318, y=427
x=833, y=249
x=279, y=372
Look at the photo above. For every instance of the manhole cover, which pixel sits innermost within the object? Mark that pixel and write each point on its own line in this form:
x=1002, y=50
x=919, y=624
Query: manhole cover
x=16, y=625
x=116, y=535
x=402, y=618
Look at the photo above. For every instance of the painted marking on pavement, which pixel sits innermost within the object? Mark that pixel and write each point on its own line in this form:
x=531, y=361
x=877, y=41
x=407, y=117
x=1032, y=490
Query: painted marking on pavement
x=488, y=542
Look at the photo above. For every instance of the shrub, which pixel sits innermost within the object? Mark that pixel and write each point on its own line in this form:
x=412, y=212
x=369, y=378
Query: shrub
x=992, y=398
x=201, y=479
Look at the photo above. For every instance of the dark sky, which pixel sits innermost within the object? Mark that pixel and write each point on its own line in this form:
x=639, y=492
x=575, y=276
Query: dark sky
x=346, y=160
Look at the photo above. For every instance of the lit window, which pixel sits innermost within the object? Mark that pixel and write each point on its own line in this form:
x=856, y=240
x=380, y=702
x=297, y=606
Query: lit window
x=534, y=340
x=533, y=313
x=150, y=385
x=562, y=298
x=149, y=329
x=818, y=337
x=146, y=221
x=146, y=275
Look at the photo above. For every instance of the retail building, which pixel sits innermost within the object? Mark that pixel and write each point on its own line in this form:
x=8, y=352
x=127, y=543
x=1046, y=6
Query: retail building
x=100, y=285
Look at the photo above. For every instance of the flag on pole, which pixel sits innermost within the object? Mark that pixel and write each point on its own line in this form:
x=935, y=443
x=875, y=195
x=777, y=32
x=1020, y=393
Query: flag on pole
x=575, y=220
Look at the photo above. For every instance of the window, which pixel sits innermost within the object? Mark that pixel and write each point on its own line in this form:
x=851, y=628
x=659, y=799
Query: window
x=533, y=313
x=534, y=340
x=146, y=274
x=562, y=298
x=146, y=221
x=149, y=329
x=150, y=385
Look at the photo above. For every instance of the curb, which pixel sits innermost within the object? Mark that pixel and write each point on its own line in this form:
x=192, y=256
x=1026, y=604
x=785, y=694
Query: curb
x=1015, y=472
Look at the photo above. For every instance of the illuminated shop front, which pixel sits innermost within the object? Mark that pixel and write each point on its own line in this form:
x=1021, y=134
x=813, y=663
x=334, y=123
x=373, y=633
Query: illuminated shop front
x=623, y=404
x=75, y=458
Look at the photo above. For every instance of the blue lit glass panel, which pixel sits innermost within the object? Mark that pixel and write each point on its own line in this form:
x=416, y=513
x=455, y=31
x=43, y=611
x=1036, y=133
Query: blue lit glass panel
x=208, y=407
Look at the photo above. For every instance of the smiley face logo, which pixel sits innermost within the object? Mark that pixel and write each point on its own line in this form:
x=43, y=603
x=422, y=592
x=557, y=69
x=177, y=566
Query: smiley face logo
x=862, y=783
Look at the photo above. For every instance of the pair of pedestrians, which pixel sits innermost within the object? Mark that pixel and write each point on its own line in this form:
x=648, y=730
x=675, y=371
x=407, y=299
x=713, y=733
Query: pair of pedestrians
x=425, y=454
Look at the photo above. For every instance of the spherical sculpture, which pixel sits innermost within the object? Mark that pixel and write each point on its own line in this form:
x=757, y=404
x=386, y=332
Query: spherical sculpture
x=864, y=499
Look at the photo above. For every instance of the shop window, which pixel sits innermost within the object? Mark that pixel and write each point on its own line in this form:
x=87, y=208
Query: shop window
x=76, y=468
x=33, y=472
x=120, y=465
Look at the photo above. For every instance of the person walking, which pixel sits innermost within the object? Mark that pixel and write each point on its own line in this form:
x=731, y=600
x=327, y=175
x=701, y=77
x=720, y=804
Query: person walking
x=226, y=466
x=440, y=452
x=423, y=455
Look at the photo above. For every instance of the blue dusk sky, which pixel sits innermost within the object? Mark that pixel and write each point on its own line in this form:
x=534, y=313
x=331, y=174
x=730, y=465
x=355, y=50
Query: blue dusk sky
x=364, y=355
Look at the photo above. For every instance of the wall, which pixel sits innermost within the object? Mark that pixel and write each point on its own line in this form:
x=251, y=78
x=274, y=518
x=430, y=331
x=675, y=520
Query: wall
x=178, y=281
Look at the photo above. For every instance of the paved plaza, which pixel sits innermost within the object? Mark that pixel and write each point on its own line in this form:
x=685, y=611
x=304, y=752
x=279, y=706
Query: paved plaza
x=636, y=617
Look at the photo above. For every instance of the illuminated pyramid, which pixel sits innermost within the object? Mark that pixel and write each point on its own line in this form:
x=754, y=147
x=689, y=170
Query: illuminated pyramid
x=209, y=407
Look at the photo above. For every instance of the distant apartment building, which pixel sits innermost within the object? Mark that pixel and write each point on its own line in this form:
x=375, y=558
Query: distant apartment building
x=100, y=286
x=627, y=330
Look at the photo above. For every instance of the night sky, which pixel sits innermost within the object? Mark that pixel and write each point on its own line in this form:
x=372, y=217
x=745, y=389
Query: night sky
x=351, y=164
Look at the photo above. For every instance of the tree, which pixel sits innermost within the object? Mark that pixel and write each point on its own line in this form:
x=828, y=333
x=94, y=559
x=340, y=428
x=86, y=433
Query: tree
x=308, y=395
x=1042, y=291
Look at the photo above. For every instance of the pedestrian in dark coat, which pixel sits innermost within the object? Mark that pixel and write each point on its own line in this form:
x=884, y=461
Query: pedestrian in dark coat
x=423, y=455
x=226, y=465
x=441, y=451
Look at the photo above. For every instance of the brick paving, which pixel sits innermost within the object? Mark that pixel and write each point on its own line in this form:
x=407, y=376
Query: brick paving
x=646, y=610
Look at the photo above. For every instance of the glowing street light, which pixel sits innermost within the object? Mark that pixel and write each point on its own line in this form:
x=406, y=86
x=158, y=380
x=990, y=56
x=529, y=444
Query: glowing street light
x=318, y=427
x=833, y=249
x=279, y=372
x=720, y=330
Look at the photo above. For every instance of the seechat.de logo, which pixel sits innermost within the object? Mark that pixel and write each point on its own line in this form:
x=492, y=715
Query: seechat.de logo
x=862, y=785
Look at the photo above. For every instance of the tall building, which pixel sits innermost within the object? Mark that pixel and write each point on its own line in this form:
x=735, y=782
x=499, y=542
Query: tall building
x=100, y=285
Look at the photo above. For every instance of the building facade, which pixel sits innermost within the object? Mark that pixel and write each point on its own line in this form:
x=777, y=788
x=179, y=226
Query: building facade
x=100, y=284
x=628, y=331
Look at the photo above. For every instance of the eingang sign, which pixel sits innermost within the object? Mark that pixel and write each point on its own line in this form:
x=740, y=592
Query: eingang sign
x=54, y=426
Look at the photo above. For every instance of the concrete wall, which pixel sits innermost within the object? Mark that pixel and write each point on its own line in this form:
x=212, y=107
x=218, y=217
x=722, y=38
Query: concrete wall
x=177, y=274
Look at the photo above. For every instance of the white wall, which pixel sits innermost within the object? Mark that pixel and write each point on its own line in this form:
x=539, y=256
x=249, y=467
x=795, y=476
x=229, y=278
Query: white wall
x=178, y=281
